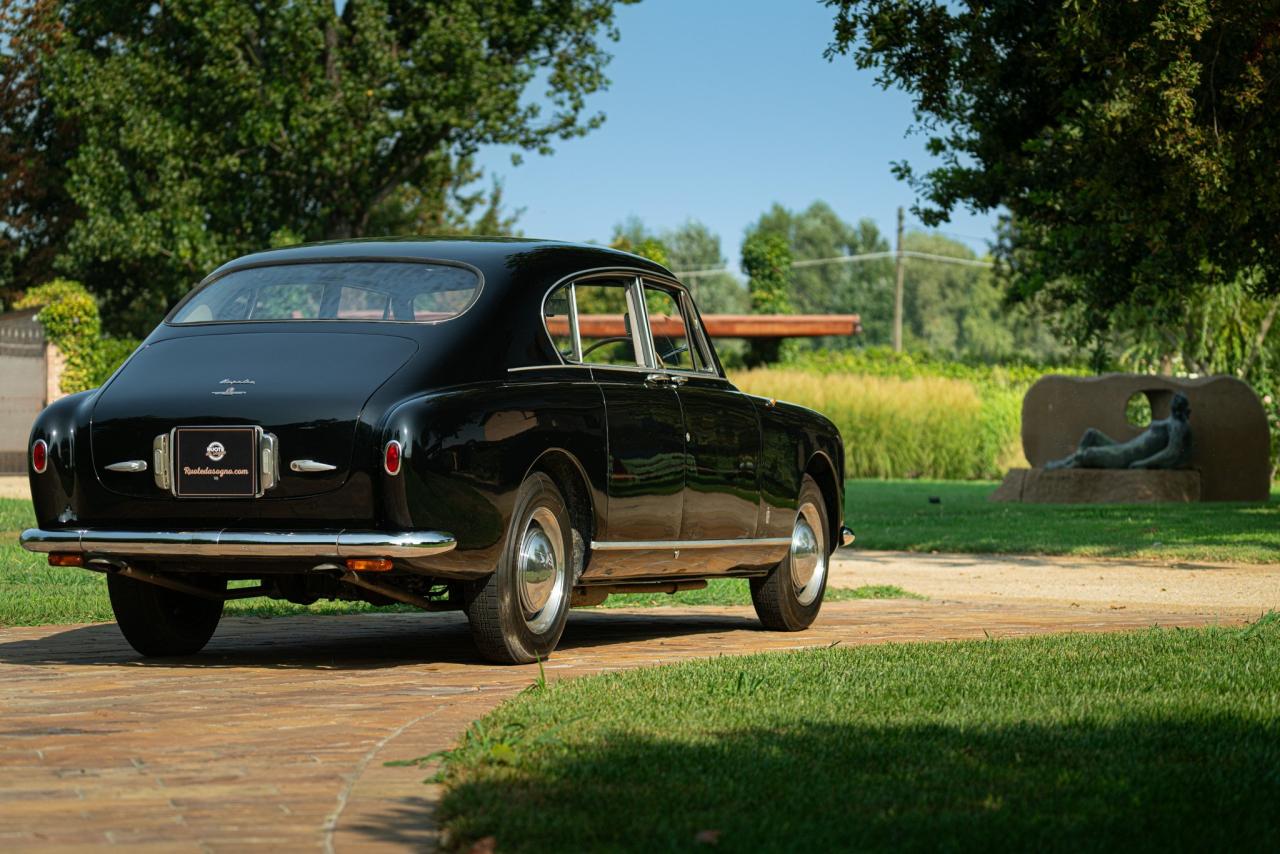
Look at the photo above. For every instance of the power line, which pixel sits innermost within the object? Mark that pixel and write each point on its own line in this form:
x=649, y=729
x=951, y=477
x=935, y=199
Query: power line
x=854, y=259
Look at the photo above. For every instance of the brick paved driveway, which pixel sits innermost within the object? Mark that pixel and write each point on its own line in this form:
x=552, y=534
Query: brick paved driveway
x=276, y=736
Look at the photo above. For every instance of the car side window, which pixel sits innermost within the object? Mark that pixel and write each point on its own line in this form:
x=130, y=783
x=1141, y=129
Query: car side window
x=557, y=314
x=605, y=327
x=666, y=324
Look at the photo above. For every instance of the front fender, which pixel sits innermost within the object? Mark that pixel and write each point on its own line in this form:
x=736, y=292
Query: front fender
x=794, y=439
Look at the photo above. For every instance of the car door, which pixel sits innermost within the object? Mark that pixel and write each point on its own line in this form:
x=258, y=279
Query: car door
x=644, y=424
x=722, y=428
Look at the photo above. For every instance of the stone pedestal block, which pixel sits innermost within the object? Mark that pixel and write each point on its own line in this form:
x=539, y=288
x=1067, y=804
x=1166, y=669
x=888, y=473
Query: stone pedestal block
x=1098, y=486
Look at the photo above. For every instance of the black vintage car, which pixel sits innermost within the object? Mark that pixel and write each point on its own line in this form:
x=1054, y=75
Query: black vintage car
x=506, y=427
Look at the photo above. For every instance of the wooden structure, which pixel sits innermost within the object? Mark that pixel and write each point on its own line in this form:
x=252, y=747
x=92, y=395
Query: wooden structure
x=720, y=325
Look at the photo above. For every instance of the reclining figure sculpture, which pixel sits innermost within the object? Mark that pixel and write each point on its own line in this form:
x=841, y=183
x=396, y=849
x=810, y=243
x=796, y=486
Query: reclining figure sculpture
x=1166, y=444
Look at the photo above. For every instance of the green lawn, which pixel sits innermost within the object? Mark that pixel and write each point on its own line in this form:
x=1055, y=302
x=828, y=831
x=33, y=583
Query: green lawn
x=33, y=593
x=1155, y=740
x=898, y=515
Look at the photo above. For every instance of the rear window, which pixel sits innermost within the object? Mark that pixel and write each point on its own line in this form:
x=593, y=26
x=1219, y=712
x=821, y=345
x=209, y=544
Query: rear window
x=355, y=290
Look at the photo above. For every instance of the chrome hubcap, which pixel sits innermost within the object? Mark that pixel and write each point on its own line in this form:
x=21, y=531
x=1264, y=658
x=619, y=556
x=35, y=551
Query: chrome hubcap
x=808, y=555
x=540, y=569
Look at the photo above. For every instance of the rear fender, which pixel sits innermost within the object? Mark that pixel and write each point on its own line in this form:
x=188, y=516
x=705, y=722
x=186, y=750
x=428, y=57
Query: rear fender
x=466, y=451
x=64, y=426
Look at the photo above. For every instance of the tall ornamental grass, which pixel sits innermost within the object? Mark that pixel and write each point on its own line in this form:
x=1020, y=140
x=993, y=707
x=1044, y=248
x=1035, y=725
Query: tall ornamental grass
x=896, y=427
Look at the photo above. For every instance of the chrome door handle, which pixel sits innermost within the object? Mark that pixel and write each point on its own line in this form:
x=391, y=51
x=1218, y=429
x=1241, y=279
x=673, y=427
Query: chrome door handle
x=128, y=465
x=310, y=465
x=663, y=380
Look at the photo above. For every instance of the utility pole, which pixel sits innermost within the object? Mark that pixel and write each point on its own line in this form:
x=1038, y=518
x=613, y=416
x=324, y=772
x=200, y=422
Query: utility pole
x=897, y=291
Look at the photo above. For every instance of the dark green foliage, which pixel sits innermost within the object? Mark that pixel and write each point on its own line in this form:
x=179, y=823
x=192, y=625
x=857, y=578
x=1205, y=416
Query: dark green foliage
x=631, y=236
x=693, y=246
x=1153, y=740
x=1133, y=144
x=818, y=232
x=766, y=259
x=952, y=310
x=688, y=247
x=196, y=130
x=35, y=147
x=69, y=315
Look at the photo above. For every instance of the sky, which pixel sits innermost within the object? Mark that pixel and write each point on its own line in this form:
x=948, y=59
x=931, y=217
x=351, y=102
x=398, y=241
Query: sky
x=717, y=109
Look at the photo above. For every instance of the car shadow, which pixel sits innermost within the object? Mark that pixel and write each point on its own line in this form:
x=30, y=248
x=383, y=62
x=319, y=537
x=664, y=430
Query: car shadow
x=1180, y=782
x=354, y=642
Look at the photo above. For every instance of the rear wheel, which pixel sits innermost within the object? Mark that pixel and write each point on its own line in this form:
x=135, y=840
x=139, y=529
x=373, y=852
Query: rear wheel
x=518, y=614
x=789, y=597
x=159, y=622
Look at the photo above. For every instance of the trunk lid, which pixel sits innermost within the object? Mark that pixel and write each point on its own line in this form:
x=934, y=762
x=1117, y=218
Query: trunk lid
x=306, y=388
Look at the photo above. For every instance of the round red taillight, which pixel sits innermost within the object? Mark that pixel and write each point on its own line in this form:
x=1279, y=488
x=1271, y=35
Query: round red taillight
x=391, y=457
x=40, y=456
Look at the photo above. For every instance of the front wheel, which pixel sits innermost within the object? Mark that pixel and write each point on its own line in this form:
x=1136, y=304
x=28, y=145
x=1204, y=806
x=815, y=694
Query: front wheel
x=518, y=614
x=159, y=622
x=789, y=597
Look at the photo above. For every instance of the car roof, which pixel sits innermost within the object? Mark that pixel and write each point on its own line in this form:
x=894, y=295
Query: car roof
x=506, y=317
x=502, y=260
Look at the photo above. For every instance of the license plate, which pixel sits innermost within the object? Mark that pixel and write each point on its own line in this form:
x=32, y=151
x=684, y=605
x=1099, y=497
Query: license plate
x=216, y=462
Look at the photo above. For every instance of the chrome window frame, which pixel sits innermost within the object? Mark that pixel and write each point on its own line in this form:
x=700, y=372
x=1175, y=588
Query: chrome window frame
x=692, y=319
x=692, y=332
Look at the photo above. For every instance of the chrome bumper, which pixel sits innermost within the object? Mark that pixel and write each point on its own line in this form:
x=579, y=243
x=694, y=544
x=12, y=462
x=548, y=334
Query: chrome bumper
x=242, y=544
x=846, y=536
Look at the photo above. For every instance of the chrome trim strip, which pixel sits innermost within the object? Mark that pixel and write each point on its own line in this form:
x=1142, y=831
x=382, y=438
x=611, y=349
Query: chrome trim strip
x=226, y=543
x=634, y=368
x=129, y=466
x=555, y=367
x=641, y=332
x=269, y=452
x=160, y=462
x=681, y=545
x=310, y=465
x=575, y=333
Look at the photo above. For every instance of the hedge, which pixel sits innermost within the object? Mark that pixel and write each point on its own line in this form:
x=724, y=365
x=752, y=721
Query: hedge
x=69, y=315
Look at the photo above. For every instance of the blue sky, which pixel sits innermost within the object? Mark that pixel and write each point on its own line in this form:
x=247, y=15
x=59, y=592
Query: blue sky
x=717, y=109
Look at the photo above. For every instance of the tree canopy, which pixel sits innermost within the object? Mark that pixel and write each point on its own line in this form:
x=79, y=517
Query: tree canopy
x=195, y=130
x=690, y=246
x=1134, y=145
x=818, y=232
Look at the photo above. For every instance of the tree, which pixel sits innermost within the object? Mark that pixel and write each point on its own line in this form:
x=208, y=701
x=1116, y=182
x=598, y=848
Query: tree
x=35, y=145
x=1132, y=144
x=958, y=310
x=688, y=247
x=818, y=232
x=766, y=258
x=632, y=236
x=207, y=128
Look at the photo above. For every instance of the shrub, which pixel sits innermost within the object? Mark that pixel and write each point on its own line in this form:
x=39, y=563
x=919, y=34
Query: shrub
x=923, y=426
x=69, y=315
